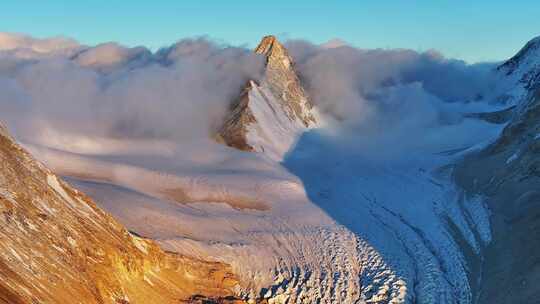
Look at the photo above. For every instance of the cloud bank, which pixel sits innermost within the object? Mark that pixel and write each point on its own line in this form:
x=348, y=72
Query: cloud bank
x=352, y=83
x=395, y=98
x=177, y=93
x=58, y=88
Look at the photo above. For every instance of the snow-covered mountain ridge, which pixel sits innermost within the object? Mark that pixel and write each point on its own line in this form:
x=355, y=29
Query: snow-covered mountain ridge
x=267, y=220
x=506, y=173
x=268, y=117
x=303, y=213
x=521, y=73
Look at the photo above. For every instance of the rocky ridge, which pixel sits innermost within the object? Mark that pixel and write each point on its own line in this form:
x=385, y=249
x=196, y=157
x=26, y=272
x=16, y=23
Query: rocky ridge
x=268, y=115
x=507, y=174
x=283, y=81
x=521, y=73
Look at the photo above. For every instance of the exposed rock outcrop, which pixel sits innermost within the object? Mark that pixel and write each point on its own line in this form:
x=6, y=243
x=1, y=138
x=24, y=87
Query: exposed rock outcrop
x=56, y=246
x=268, y=116
x=507, y=174
x=283, y=81
x=521, y=73
x=526, y=58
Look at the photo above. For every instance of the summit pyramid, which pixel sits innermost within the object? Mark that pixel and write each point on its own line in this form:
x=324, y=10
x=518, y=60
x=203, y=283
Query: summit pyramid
x=268, y=116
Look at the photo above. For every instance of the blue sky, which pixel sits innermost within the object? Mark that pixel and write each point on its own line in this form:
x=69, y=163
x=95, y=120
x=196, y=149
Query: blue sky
x=474, y=30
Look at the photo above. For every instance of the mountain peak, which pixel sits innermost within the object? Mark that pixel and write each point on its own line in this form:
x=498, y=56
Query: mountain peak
x=268, y=116
x=528, y=53
x=268, y=45
x=276, y=54
x=523, y=70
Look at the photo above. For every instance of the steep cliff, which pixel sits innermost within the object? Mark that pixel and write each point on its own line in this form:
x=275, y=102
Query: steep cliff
x=267, y=117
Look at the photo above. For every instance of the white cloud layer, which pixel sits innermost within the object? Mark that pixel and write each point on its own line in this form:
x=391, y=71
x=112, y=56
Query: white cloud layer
x=109, y=90
x=181, y=93
x=22, y=43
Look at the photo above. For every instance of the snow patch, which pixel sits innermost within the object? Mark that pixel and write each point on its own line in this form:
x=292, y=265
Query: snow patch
x=275, y=132
x=512, y=158
x=52, y=180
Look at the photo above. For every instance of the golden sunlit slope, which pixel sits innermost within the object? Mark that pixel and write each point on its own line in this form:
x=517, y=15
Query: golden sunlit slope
x=56, y=246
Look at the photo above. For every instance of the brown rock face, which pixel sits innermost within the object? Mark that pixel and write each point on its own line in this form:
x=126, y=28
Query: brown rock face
x=234, y=129
x=283, y=80
x=281, y=90
x=56, y=246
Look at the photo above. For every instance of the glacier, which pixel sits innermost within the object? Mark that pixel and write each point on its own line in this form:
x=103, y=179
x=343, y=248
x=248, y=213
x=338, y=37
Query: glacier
x=333, y=220
x=319, y=212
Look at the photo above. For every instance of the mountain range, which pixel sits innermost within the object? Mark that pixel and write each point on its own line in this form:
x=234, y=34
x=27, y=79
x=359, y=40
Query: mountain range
x=286, y=212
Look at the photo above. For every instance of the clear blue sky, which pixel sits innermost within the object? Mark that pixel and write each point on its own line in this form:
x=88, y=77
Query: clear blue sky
x=474, y=30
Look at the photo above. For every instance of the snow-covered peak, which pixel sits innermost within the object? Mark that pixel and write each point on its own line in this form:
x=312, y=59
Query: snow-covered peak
x=269, y=116
x=281, y=78
x=524, y=67
x=520, y=75
x=527, y=58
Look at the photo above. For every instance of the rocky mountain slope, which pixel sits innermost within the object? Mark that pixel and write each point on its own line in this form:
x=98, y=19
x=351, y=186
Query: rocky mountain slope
x=520, y=74
x=267, y=117
x=308, y=220
x=507, y=173
x=56, y=246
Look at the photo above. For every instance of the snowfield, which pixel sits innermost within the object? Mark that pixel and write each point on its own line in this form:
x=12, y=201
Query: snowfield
x=332, y=222
x=351, y=202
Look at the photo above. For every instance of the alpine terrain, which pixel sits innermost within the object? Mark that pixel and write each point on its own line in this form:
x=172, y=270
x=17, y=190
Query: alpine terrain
x=268, y=117
x=58, y=247
x=281, y=202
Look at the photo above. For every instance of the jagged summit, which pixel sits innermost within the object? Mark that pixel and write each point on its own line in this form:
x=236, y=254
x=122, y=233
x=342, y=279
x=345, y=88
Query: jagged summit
x=531, y=51
x=283, y=80
x=274, y=51
x=267, y=44
x=520, y=74
x=267, y=117
x=524, y=67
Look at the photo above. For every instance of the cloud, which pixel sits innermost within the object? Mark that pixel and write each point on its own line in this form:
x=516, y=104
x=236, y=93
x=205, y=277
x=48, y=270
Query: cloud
x=334, y=43
x=108, y=56
x=384, y=104
x=177, y=93
x=354, y=84
x=60, y=90
x=27, y=46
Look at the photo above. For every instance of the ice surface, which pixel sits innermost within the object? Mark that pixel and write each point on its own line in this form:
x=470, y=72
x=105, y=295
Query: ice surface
x=316, y=216
x=337, y=220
